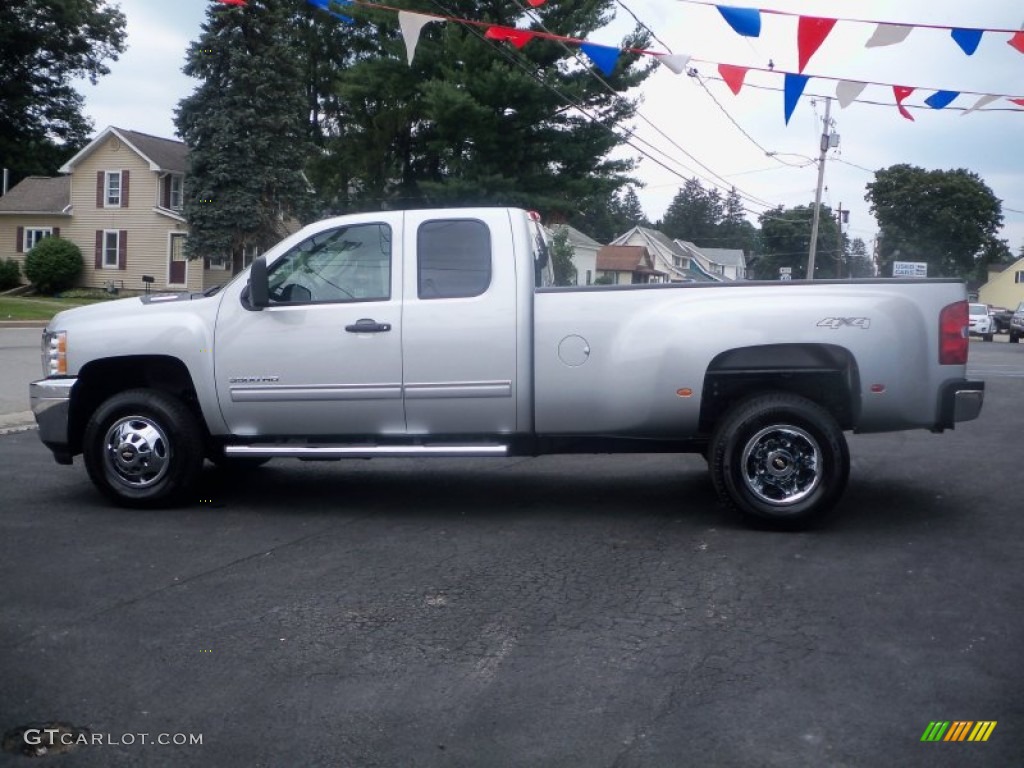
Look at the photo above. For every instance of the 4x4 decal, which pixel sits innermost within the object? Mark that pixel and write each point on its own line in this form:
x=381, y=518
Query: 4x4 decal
x=836, y=323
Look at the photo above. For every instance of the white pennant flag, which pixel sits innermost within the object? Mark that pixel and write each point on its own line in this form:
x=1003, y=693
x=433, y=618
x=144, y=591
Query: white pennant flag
x=888, y=34
x=847, y=92
x=675, y=61
x=979, y=104
x=412, y=24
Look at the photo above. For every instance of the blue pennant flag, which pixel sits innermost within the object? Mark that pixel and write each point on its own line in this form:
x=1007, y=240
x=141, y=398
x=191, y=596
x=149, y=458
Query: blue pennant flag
x=794, y=89
x=941, y=99
x=325, y=5
x=967, y=39
x=744, y=21
x=604, y=58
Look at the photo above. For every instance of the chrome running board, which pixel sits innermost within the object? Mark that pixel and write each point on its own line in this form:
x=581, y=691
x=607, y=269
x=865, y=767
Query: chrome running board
x=289, y=451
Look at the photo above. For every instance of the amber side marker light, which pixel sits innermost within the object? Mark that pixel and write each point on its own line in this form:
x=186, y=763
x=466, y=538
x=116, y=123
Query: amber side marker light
x=684, y=392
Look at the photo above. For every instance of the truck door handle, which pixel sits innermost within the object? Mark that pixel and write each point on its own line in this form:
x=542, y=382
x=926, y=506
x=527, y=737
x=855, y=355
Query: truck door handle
x=366, y=325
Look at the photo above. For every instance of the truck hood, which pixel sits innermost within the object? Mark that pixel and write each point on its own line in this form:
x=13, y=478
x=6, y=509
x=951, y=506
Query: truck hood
x=120, y=308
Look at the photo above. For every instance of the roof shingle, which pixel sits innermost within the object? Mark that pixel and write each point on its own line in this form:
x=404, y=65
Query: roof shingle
x=38, y=194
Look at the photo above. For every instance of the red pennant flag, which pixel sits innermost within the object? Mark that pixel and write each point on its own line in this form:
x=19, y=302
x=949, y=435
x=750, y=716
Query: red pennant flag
x=901, y=92
x=518, y=37
x=1017, y=41
x=536, y=3
x=236, y=3
x=1018, y=102
x=733, y=76
x=810, y=34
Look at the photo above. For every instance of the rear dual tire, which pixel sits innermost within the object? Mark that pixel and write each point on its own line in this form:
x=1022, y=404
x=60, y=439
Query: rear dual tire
x=779, y=460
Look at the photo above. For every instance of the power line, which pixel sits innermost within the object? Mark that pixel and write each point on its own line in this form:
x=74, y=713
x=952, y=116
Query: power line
x=575, y=54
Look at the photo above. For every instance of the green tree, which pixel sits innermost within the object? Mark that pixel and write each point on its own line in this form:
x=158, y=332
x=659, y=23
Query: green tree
x=786, y=241
x=473, y=121
x=734, y=230
x=247, y=128
x=948, y=219
x=44, y=44
x=859, y=263
x=694, y=214
x=561, y=257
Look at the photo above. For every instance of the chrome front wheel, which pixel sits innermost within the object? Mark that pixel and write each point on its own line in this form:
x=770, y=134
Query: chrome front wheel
x=137, y=451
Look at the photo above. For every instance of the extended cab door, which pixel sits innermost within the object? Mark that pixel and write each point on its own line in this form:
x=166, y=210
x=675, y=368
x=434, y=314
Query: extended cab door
x=460, y=323
x=326, y=357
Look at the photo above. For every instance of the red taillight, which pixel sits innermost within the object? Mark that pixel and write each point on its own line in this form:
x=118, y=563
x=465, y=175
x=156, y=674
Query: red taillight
x=953, y=335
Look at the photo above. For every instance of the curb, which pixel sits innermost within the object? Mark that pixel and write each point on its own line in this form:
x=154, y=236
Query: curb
x=24, y=323
x=16, y=422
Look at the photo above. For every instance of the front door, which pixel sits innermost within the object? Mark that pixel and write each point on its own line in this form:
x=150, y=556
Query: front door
x=326, y=357
x=176, y=274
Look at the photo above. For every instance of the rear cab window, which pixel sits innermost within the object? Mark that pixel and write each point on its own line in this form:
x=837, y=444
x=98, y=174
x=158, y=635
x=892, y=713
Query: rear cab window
x=453, y=259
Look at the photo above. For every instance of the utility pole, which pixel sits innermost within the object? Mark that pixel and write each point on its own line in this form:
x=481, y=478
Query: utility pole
x=840, y=256
x=817, y=195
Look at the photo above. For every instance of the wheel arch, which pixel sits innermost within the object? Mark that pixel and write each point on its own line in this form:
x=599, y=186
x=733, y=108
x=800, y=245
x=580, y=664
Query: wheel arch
x=826, y=374
x=101, y=379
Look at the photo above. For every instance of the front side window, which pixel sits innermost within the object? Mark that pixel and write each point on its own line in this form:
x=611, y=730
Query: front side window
x=453, y=259
x=110, y=249
x=113, y=189
x=34, y=235
x=339, y=265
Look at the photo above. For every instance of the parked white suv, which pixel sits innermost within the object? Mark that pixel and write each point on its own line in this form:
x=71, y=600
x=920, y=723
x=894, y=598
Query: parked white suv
x=981, y=322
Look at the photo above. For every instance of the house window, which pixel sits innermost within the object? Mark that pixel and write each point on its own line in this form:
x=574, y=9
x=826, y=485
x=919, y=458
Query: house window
x=1018, y=276
x=589, y=277
x=112, y=187
x=177, y=183
x=249, y=253
x=111, y=248
x=34, y=235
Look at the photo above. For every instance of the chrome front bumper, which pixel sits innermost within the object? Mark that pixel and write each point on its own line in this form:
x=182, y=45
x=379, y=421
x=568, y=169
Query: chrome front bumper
x=51, y=404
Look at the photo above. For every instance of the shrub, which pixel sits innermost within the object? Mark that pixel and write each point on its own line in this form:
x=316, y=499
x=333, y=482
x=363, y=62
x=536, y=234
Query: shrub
x=53, y=265
x=10, y=274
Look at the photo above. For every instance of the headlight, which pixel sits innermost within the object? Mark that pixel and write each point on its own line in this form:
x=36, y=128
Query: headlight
x=55, y=353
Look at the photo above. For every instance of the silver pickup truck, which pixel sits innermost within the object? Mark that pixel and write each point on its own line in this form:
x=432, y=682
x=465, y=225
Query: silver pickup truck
x=431, y=333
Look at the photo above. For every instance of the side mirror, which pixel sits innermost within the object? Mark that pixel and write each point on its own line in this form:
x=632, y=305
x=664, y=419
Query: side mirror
x=259, y=286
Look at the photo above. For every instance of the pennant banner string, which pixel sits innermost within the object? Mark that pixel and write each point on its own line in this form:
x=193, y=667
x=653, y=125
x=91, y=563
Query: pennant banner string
x=863, y=21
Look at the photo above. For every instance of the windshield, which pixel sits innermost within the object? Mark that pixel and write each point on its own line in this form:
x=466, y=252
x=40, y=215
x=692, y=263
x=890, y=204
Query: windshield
x=979, y=309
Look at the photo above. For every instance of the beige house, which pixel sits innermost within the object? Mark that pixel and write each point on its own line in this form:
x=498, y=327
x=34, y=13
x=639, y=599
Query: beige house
x=120, y=202
x=1005, y=287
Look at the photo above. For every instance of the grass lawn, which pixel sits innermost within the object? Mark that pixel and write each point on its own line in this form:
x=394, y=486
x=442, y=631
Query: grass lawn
x=36, y=307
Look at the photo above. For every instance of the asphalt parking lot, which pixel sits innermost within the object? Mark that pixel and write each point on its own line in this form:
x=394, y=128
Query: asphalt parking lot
x=562, y=611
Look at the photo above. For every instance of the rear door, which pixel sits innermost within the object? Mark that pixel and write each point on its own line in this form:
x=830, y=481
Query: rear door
x=459, y=323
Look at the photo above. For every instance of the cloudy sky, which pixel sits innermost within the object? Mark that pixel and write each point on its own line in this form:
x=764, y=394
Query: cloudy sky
x=725, y=143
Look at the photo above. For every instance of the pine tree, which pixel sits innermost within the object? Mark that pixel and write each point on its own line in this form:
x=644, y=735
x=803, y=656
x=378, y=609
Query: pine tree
x=247, y=129
x=472, y=120
x=694, y=214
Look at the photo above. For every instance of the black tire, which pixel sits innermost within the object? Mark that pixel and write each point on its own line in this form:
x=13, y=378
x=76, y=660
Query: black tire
x=144, y=448
x=808, y=452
